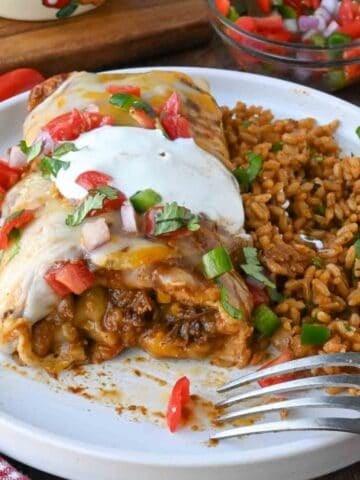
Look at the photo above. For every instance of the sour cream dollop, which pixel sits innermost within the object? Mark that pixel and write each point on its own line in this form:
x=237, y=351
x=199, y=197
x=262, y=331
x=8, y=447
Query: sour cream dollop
x=180, y=171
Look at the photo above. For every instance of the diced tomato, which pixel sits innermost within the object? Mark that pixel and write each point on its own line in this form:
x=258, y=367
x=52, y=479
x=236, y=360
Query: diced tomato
x=129, y=89
x=142, y=118
x=70, y=125
x=265, y=6
x=274, y=23
x=50, y=277
x=2, y=195
x=172, y=105
x=8, y=175
x=176, y=126
x=351, y=28
x=285, y=356
x=75, y=276
x=246, y=23
x=18, y=81
x=93, y=179
x=259, y=295
x=16, y=220
x=345, y=13
x=223, y=7
x=352, y=71
x=280, y=36
x=110, y=204
x=180, y=396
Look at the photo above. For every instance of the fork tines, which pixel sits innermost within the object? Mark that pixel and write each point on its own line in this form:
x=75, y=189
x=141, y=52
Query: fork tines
x=344, y=402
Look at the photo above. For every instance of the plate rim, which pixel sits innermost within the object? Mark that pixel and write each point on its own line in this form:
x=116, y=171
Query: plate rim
x=263, y=455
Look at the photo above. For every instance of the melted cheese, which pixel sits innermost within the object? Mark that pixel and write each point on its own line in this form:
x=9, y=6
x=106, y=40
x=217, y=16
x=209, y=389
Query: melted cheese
x=178, y=170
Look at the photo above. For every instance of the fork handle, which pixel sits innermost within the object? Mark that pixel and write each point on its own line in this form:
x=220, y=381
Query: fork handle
x=349, y=425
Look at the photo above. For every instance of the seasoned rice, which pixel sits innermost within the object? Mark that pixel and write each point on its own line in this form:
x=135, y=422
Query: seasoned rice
x=303, y=214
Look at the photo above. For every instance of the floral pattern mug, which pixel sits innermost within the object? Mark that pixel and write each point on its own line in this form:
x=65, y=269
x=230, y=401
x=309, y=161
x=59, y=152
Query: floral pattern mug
x=45, y=9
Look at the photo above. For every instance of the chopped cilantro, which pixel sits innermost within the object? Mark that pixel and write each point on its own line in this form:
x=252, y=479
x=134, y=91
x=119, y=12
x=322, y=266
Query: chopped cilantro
x=245, y=176
x=173, y=217
x=253, y=268
x=277, y=147
x=31, y=151
x=230, y=309
x=94, y=201
x=50, y=166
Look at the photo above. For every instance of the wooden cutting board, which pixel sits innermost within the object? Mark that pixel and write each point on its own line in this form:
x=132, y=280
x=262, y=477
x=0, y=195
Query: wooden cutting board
x=119, y=32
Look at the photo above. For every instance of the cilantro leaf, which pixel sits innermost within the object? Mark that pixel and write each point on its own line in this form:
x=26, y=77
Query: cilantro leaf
x=230, y=309
x=253, y=267
x=173, y=217
x=94, y=201
x=51, y=166
x=245, y=176
x=31, y=151
x=91, y=203
x=277, y=147
x=64, y=148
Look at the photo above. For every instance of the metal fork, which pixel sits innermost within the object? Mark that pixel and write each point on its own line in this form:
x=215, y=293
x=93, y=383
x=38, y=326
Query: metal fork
x=345, y=402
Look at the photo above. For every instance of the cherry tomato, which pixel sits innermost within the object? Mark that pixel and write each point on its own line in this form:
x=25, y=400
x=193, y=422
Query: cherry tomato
x=18, y=81
x=223, y=7
x=285, y=356
x=351, y=28
x=16, y=220
x=176, y=126
x=129, y=89
x=172, y=105
x=74, y=276
x=180, y=396
x=274, y=23
x=265, y=6
x=8, y=175
x=93, y=179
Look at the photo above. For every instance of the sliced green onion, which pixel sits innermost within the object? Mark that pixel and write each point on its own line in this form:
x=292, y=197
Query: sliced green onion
x=339, y=39
x=233, y=14
x=277, y=147
x=265, y=320
x=312, y=334
x=357, y=248
x=145, y=199
x=126, y=101
x=216, y=262
x=230, y=309
x=318, y=262
x=287, y=12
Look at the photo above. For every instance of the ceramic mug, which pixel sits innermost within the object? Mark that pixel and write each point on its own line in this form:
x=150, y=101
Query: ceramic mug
x=45, y=9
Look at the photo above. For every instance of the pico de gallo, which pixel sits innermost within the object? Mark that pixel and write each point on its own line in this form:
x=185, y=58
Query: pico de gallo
x=331, y=26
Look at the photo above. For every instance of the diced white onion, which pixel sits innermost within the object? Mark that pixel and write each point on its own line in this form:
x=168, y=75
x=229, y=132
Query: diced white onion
x=330, y=5
x=95, y=233
x=291, y=24
x=128, y=218
x=48, y=143
x=331, y=28
x=17, y=157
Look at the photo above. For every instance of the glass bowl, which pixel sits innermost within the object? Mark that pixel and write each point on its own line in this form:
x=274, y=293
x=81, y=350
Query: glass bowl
x=325, y=68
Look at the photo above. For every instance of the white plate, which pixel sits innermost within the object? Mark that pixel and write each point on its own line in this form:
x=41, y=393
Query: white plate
x=82, y=437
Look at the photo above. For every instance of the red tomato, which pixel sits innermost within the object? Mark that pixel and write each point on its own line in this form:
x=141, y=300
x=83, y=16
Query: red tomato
x=8, y=175
x=16, y=220
x=345, y=13
x=2, y=195
x=172, y=105
x=176, y=126
x=285, y=356
x=274, y=23
x=223, y=7
x=75, y=276
x=18, y=81
x=351, y=28
x=70, y=125
x=352, y=71
x=246, y=23
x=93, y=179
x=180, y=396
x=56, y=4
x=129, y=89
x=110, y=205
x=142, y=118
x=50, y=277
x=265, y=6
x=259, y=295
